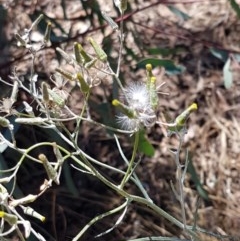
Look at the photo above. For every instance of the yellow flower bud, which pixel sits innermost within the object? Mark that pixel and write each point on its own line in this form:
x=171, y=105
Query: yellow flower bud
x=124, y=109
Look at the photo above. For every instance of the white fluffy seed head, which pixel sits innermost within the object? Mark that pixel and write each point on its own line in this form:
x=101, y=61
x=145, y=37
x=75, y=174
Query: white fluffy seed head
x=137, y=97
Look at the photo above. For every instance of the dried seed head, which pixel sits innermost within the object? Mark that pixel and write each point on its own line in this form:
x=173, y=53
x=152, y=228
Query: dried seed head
x=140, y=112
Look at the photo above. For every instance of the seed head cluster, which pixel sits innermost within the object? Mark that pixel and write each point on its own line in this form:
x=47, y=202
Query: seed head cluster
x=137, y=98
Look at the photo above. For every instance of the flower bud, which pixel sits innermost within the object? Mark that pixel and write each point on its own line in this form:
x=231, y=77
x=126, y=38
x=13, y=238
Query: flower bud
x=180, y=121
x=65, y=74
x=4, y=122
x=86, y=57
x=66, y=56
x=51, y=172
x=56, y=98
x=84, y=86
x=149, y=74
x=58, y=154
x=124, y=109
x=10, y=218
x=77, y=53
x=31, y=212
x=153, y=93
x=110, y=21
x=121, y=5
x=98, y=50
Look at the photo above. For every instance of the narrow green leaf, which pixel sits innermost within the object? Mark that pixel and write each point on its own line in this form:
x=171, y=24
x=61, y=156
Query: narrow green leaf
x=144, y=145
x=235, y=7
x=194, y=176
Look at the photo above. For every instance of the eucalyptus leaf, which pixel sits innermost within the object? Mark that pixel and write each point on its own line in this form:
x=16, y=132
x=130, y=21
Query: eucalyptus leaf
x=183, y=16
x=220, y=54
x=194, y=176
x=227, y=75
x=170, y=67
x=235, y=7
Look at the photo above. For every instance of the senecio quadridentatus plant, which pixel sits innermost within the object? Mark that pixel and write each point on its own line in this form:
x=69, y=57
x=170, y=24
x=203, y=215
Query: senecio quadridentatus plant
x=137, y=104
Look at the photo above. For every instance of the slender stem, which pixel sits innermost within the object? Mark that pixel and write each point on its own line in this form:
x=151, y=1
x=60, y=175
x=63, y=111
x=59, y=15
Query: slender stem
x=134, y=198
x=121, y=38
x=137, y=181
x=179, y=177
x=130, y=166
x=80, y=117
x=99, y=217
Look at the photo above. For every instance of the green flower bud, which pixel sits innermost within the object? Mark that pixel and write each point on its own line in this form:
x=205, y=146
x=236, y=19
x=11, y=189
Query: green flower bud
x=84, y=86
x=77, y=53
x=56, y=98
x=86, y=57
x=149, y=74
x=10, y=218
x=124, y=109
x=153, y=93
x=65, y=74
x=180, y=121
x=110, y=21
x=51, y=172
x=98, y=50
x=121, y=5
x=4, y=122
